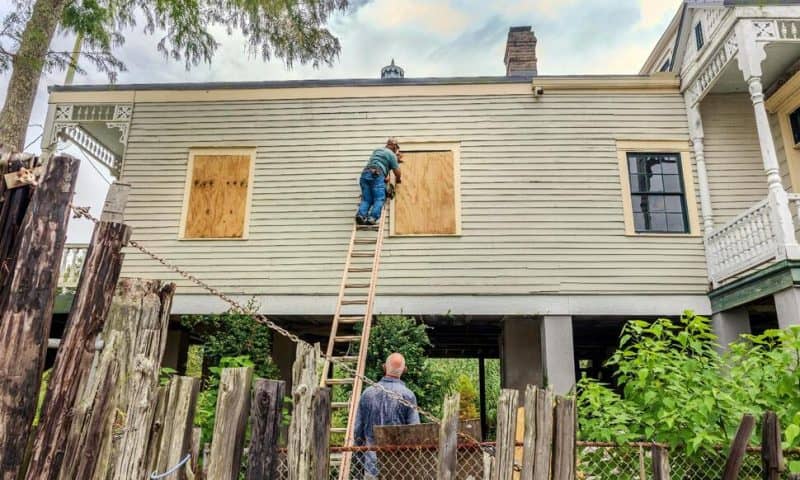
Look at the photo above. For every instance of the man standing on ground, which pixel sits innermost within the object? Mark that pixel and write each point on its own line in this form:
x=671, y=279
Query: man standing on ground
x=373, y=181
x=377, y=407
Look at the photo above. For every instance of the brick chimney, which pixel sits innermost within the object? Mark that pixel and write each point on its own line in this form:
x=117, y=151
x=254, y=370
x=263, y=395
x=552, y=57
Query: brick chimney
x=520, y=56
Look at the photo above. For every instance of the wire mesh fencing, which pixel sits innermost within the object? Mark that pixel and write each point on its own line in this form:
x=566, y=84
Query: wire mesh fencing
x=595, y=461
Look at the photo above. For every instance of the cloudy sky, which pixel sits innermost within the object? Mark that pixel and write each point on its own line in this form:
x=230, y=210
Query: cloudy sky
x=425, y=37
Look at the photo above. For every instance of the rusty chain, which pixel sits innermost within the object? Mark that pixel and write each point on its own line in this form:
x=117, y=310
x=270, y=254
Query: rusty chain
x=83, y=212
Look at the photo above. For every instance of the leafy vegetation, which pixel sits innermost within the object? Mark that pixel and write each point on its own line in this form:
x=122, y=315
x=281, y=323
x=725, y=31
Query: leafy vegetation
x=229, y=340
x=292, y=30
x=233, y=334
x=673, y=386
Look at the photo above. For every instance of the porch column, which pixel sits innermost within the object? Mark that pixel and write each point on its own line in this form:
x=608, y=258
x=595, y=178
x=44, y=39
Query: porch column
x=559, y=352
x=520, y=353
x=697, y=136
x=729, y=325
x=750, y=56
x=787, y=306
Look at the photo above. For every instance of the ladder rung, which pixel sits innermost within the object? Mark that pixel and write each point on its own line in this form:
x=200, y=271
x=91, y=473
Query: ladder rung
x=355, y=302
x=367, y=227
x=345, y=359
x=351, y=319
x=367, y=241
x=363, y=254
x=359, y=269
x=340, y=405
x=347, y=338
x=338, y=430
x=339, y=381
x=357, y=285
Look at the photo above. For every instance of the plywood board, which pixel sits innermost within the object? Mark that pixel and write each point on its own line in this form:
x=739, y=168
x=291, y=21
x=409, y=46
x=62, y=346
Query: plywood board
x=426, y=199
x=218, y=196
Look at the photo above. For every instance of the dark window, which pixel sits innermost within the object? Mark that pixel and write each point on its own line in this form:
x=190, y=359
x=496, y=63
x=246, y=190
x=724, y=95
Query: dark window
x=665, y=67
x=657, y=193
x=794, y=120
x=698, y=35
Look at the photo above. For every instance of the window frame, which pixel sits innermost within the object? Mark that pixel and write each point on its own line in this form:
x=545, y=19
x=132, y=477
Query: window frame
x=187, y=190
x=407, y=146
x=679, y=147
x=699, y=36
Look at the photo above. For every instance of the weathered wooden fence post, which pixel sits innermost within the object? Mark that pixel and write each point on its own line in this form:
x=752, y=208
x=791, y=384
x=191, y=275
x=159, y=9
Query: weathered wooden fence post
x=544, y=435
x=771, y=450
x=529, y=440
x=85, y=321
x=266, y=411
x=738, y=448
x=448, y=438
x=12, y=213
x=304, y=462
x=564, y=444
x=321, y=438
x=26, y=312
x=506, y=434
x=115, y=407
x=233, y=407
x=175, y=435
x=660, y=462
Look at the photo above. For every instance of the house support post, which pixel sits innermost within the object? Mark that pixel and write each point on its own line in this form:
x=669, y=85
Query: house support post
x=521, y=356
x=729, y=325
x=750, y=56
x=787, y=307
x=558, y=352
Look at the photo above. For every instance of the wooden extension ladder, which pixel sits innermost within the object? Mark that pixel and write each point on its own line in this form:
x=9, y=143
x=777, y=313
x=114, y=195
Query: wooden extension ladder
x=354, y=307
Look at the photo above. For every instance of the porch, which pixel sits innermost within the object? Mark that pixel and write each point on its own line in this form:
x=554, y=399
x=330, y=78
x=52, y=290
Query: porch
x=748, y=160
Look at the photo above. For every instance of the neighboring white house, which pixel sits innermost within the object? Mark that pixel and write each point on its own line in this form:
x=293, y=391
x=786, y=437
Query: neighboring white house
x=563, y=206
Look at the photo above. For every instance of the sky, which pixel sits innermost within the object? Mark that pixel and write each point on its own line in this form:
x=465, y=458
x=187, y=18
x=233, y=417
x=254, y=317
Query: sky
x=428, y=38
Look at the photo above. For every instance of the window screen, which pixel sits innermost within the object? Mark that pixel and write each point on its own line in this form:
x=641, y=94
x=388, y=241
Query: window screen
x=658, y=195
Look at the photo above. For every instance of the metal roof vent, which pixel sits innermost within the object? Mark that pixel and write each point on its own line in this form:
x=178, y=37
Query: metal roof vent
x=392, y=71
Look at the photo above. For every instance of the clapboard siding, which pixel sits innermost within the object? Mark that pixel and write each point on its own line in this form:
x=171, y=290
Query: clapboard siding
x=733, y=157
x=541, y=205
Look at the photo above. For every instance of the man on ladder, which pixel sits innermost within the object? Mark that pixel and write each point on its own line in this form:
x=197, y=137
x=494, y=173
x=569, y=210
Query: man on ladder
x=373, y=181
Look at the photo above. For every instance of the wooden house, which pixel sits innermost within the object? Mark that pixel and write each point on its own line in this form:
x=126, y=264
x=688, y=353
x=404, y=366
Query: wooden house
x=538, y=213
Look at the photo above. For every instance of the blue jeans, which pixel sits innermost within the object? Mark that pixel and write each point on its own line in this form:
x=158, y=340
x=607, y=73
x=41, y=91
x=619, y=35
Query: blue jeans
x=373, y=194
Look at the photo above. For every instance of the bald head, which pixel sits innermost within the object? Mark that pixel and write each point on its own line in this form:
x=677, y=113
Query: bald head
x=395, y=365
x=392, y=144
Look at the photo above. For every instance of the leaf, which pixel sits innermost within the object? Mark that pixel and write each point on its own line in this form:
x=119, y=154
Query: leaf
x=791, y=433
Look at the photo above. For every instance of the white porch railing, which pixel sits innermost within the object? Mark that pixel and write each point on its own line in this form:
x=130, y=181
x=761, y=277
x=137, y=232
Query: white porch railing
x=71, y=265
x=745, y=242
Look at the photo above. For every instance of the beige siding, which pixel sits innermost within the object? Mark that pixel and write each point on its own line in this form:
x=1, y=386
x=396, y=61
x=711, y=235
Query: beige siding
x=780, y=150
x=733, y=156
x=540, y=194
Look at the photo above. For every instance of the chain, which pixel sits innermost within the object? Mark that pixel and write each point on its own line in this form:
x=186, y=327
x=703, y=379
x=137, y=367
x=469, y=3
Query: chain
x=83, y=212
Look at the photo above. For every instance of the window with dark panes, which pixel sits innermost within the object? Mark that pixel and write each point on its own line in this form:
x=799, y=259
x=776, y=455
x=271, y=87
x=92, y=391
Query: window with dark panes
x=698, y=35
x=658, y=196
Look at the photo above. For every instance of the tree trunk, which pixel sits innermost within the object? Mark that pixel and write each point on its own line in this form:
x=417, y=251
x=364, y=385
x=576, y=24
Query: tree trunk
x=27, y=311
x=27, y=67
x=89, y=309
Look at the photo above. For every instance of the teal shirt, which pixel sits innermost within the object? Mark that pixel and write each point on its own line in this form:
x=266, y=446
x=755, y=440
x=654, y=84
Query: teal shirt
x=384, y=159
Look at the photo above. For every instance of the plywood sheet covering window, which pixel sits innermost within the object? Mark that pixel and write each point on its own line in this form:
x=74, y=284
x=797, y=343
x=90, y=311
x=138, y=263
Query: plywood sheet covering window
x=426, y=200
x=218, y=195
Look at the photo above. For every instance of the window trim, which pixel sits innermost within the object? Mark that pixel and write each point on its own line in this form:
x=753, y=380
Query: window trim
x=429, y=146
x=680, y=147
x=194, y=151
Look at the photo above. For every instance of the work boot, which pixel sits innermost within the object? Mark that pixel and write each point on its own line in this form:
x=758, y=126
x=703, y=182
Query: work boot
x=360, y=220
x=370, y=221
